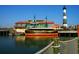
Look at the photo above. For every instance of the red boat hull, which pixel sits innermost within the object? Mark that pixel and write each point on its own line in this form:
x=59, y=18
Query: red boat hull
x=52, y=35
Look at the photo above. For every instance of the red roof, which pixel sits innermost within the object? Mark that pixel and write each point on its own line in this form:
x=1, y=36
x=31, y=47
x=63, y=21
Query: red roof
x=19, y=26
x=21, y=22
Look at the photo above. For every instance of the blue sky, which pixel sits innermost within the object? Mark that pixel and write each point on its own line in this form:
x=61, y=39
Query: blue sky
x=9, y=14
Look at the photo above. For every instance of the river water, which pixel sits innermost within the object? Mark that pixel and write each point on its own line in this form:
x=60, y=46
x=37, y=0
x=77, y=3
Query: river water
x=22, y=45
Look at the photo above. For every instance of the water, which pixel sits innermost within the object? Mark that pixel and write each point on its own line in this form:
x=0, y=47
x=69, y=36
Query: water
x=22, y=45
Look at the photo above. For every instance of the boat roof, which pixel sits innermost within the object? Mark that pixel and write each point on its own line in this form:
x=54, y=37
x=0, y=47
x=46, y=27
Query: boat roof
x=25, y=22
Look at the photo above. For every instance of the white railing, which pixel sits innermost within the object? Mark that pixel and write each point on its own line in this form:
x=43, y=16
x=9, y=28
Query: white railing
x=47, y=50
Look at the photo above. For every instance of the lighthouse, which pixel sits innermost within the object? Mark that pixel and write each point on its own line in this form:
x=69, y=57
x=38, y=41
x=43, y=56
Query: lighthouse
x=64, y=17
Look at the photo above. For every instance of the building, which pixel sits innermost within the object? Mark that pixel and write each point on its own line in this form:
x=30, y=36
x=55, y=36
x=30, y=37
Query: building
x=78, y=30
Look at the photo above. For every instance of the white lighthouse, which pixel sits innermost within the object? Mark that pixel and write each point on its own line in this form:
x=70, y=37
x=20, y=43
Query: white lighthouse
x=64, y=17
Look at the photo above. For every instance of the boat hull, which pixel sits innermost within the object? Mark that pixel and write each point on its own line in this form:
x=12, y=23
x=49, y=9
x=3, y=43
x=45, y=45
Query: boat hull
x=42, y=35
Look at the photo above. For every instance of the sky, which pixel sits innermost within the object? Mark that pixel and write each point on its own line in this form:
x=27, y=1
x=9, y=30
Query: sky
x=10, y=14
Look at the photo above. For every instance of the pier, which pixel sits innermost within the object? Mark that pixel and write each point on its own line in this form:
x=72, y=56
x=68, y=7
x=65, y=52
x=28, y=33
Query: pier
x=70, y=46
x=48, y=49
x=68, y=33
x=4, y=31
x=51, y=48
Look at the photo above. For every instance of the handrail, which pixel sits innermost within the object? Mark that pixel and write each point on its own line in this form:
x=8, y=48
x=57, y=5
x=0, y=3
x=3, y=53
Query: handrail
x=44, y=49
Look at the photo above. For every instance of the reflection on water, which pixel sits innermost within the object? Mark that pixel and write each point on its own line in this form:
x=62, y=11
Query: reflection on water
x=32, y=43
x=21, y=44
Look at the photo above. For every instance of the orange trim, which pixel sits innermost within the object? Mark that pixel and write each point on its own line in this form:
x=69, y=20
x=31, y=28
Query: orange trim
x=54, y=35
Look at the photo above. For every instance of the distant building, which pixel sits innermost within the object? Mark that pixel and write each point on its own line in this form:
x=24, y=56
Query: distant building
x=78, y=27
x=73, y=27
x=78, y=30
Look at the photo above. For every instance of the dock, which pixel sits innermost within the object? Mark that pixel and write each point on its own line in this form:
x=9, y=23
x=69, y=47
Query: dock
x=5, y=31
x=72, y=33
